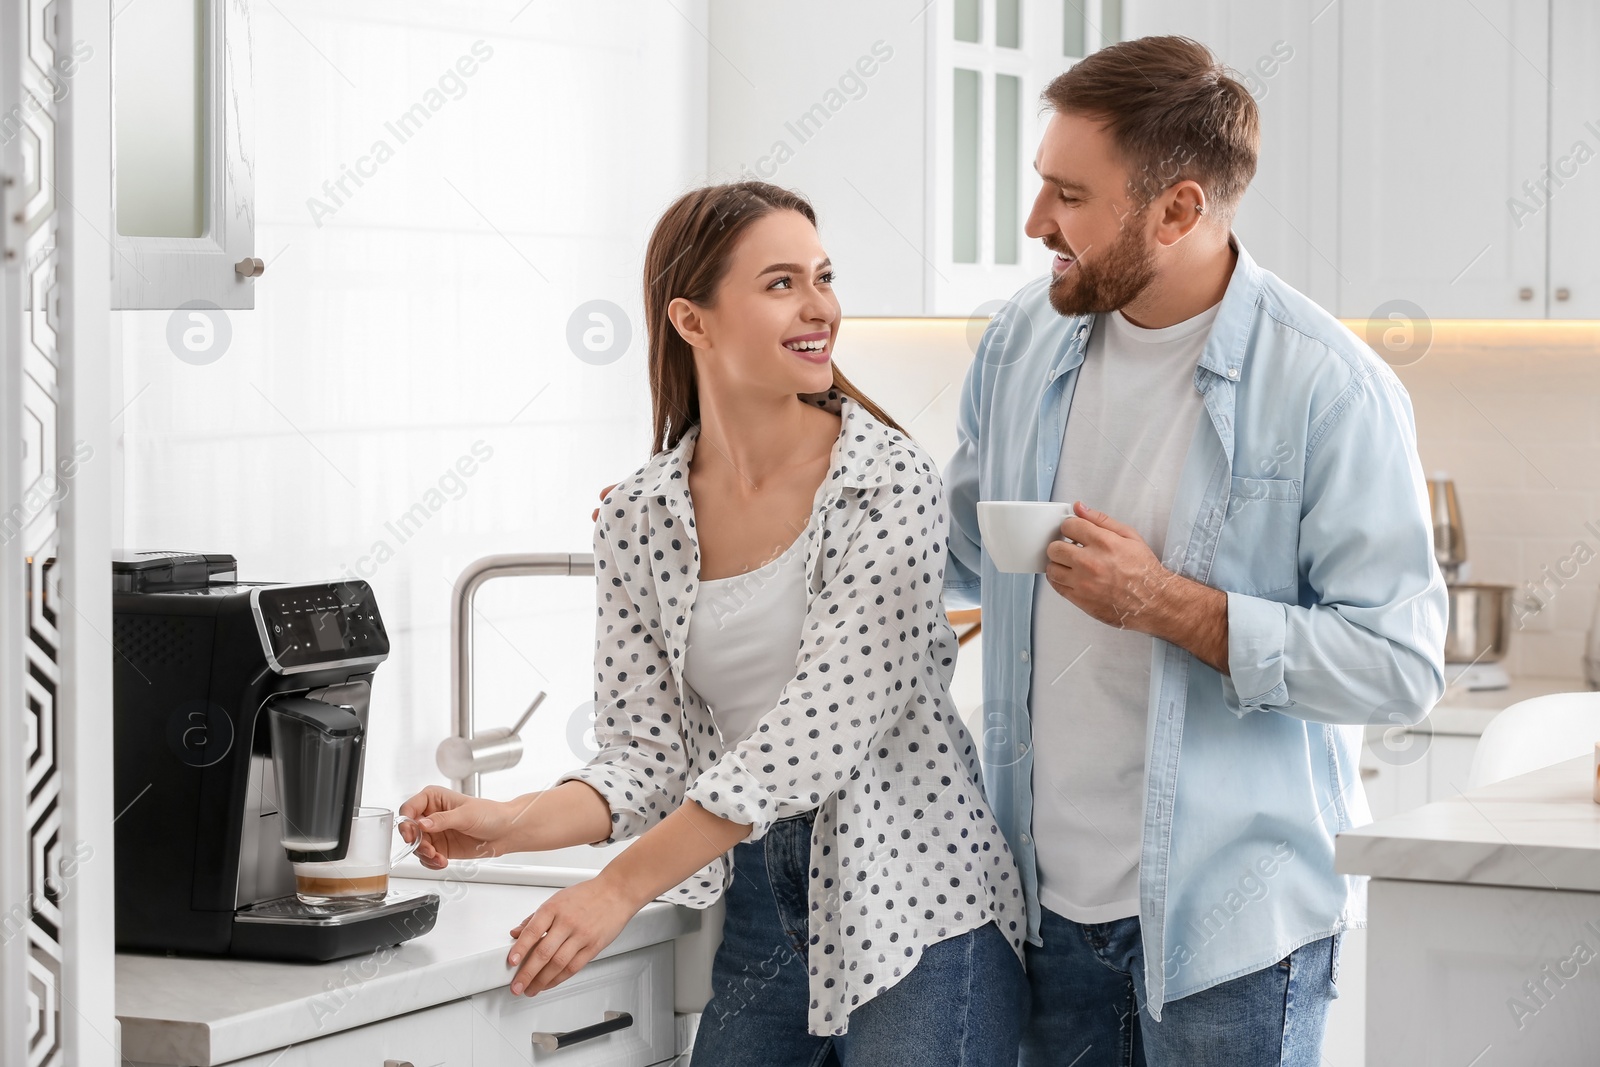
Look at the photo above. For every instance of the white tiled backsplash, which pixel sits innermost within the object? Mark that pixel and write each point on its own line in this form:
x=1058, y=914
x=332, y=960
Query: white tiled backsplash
x=1510, y=411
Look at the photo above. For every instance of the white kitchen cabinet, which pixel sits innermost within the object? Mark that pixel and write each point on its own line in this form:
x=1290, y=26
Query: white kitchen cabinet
x=183, y=167
x=1574, y=182
x=949, y=120
x=1466, y=173
x=911, y=126
x=1284, y=53
x=1443, y=116
x=497, y=1029
x=1420, y=160
x=1413, y=769
x=1393, y=783
x=1483, y=919
x=433, y=1037
x=1449, y=761
x=1400, y=770
x=990, y=60
x=637, y=983
x=1452, y=967
x=441, y=998
x=840, y=117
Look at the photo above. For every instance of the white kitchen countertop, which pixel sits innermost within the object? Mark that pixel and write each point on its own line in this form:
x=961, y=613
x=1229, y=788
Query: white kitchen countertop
x=1536, y=831
x=1466, y=712
x=1540, y=830
x=189, y=1010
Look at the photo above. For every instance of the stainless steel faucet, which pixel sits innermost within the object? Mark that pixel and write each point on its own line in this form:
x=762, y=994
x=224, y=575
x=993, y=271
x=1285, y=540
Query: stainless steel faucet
x=466, y=756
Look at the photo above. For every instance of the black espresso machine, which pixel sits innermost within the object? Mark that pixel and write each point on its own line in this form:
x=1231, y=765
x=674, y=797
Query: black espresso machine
x=208, y=669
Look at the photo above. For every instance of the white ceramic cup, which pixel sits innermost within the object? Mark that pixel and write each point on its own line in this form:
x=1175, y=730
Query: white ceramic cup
x=1017, y=532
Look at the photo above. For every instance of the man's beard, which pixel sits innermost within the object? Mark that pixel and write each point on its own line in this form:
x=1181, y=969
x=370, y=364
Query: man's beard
x=1114, y=280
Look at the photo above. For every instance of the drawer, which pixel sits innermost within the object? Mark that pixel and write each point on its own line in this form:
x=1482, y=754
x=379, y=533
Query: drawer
x=432, y=1037
x=638, y=983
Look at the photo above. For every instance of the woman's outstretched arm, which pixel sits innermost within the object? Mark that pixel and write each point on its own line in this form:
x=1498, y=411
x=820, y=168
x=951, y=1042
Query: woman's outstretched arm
x=456, y=826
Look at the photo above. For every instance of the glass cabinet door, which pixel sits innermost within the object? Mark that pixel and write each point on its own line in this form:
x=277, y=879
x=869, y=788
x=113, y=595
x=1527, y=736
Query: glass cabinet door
x=181, y=156
x=992, y=59
x=159, y=140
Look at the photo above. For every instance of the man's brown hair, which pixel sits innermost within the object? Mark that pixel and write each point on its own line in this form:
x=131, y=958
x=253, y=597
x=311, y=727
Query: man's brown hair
x=1173, y=113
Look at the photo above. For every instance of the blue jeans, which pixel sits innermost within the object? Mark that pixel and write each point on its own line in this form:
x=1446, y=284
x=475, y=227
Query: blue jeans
x=1088, y=1005
x=963, y=1004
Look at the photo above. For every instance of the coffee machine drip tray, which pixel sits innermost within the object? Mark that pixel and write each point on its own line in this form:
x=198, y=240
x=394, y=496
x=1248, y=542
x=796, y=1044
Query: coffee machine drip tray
x=286, y=928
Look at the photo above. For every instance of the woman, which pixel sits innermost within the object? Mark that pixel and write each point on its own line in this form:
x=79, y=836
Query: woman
x=772, y=663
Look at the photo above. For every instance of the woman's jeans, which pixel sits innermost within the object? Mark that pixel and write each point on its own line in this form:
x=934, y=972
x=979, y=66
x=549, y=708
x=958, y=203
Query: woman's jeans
x=1088, y=1005
x=963, y=1004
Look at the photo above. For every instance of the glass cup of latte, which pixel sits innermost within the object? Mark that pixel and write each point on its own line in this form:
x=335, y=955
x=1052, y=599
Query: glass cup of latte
x=363, y=874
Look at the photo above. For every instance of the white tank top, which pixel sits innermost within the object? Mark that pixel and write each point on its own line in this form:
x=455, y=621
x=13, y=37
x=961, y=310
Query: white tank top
x=744, y=641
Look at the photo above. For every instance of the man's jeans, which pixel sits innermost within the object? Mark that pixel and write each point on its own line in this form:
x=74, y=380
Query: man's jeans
x=962, y=1005
x=1088, y=1005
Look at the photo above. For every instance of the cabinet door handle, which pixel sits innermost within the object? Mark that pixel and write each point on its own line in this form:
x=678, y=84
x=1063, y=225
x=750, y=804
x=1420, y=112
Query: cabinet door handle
x=1525, y=293
x=1563, y=293
x=1369, y=772
x=396, y=1063
x=614, y=1021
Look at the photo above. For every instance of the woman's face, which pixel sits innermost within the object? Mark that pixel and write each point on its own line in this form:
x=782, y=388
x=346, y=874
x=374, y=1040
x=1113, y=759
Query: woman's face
x=775, y=318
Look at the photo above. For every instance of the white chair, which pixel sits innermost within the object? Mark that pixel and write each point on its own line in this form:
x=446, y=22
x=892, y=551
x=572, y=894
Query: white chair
x=1536, y=733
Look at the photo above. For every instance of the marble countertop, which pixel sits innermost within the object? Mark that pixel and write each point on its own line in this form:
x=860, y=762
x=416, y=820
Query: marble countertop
x=187, y=1010
x=1537, y=831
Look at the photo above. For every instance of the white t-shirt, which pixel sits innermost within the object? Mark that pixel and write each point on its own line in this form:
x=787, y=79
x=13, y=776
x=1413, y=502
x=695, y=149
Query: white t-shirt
x=1133, y=414
x=744, y=641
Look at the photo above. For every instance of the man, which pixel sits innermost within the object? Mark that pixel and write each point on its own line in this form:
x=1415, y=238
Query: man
x=1172, y=716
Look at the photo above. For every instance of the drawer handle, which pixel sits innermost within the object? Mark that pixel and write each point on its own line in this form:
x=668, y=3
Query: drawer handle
x=614, y=1021
x=1369, y=772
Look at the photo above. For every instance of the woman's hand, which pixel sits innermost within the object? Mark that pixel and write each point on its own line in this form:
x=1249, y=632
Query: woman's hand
x=456, y=826
x=603, y=492
x=568, y=930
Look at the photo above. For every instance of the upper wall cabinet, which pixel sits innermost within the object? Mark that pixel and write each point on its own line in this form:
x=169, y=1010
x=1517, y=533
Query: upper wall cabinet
x=990, y=61
x=1444, y=130
x=1279, y=49
x=1423, y=153
x=1571, y=188
x=910, y=125
x=834, y=106
x=182, y=156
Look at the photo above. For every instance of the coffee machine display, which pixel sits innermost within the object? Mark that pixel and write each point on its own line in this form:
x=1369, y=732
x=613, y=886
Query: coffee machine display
x=240, y=723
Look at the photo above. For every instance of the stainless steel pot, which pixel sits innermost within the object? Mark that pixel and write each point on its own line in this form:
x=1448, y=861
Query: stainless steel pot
x=1480, y=623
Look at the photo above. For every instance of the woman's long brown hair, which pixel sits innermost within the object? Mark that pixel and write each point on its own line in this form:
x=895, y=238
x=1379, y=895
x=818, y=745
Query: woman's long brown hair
x=688, y=256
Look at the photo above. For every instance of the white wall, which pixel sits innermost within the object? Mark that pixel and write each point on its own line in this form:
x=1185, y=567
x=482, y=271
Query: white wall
x=425, y=314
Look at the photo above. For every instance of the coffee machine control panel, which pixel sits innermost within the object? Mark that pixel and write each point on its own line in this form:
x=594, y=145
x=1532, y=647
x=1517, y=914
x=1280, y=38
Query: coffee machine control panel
x=325, y=624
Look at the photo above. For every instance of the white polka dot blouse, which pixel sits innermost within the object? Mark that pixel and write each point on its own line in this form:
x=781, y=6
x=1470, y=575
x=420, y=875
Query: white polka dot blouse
x=904, y=851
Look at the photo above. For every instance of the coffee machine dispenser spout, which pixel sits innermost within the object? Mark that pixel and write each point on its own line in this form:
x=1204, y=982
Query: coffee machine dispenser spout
x=316, y=754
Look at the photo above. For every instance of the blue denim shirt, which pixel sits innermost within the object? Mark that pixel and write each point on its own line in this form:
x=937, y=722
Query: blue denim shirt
x=1302, y=498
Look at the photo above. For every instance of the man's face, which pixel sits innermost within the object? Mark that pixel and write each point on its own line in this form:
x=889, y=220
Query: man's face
x=1084, y=213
